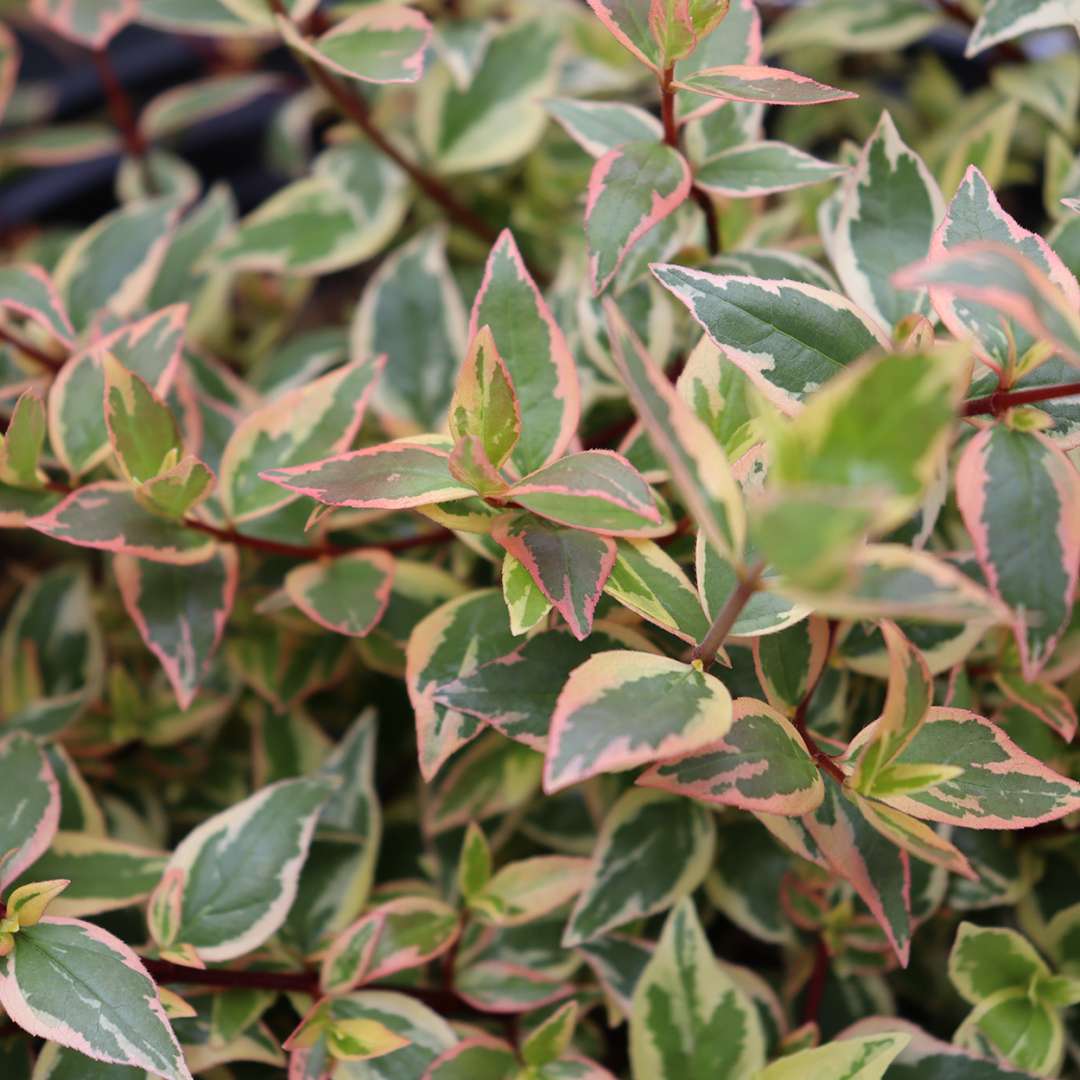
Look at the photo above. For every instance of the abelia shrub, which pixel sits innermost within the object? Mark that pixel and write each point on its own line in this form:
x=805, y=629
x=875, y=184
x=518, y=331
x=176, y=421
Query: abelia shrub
x=571, y=571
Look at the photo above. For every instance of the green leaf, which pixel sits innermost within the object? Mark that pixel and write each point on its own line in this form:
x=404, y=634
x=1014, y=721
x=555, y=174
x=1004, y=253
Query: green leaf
x=1020, y=500
x=76, y=984
x=986, y=960
x=1026, y=1033
x=142, y=431
x=652, y=850
x=412, y=310
x=622, y=709
x=31, y=810
x=763, y=168
x=90, y=25
x=790, y=338
x=231, y=882
x=524, y=891
x=107, y=516
x=393, y=476
x=415, y=930
x=474, y=862
x=864, y=1058
x=484, y=404
x=631, y=189
x=533, y=348
x=790, y=662
x=550, y=1040
x=347, y=595
x=569, y=567
x=479, y=1057
x=28, y=292
x=175, y=490
x=600, y=126
x=525, y=603
x=757, y=83
x=690, y=1019
x=595, y=490
x=498, y=117
x=761, y=764
x=1041, y=698
x=889, y=209
x=1002, y=20
x=854, y=25
x=182, y=107
x=698, y=465
x=383, y=44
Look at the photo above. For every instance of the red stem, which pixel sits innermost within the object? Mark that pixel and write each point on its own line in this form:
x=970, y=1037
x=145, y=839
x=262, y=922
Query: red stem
x=996, y=403
x=120, y=107
x=815, y=991
x=823, y=760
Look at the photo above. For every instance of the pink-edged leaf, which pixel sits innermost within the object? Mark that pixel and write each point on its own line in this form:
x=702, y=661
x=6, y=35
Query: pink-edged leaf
x=738, y=42
x=9, y=66
x=1042, y=698
x=760, y=764
x=92, y=24
x=475, y=1057
x=697, y=463
x=415, y=930
x=180, y=612
x=762, y=168
x=600, y=126
x=789, y=662
x=998, y=785
x=973, y=215
x=535, y=352
x=874, y=867
x=107, y=516
x=381, y=43
x=569, y=566
x=348, y=595
x=596, y=490
x=312, y=422
x=628, y=23
x=528, y=889
x=1020, y=499
x=909, y=696
x=469, y=463
x=28, y=291
x=758, y=83
x=621, y=709
x=30, y=811
x=500, y=986
x=631, y=188
x=347, y=960
x=1004, y=279
x=915, y=837
x=393, y=476
x=485, y=405
x=75, y=984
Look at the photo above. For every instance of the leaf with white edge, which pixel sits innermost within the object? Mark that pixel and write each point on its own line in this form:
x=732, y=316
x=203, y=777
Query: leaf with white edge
x=411, y=310
x=854, y=25
x=973, y=215
x=451, y=642
x=383, y=43
x=739, y=42
x=107, y=516
x=651, y=851
x=890, y=207
x=347, y=960
x=111, y=266
x=618, y=710
x=908, y=697
x=499, y=116
x=985, y=960
x=650, y=583
x=790, y=338
x=1002, y=278
x=28, y=292
x=142, y=431
x=631, y=189
x=550, y=1039
x=525, y=603
x=347, y=209
x=689, y=1018
x=415, y=930
x=31, y=810
x=1018, y=1028
x=1042, y=698
x=853, y=438
x=1003, y=20
x=760, y=764
x=1020, y=499
x=231, y=882
x=176, y=110
x=347, y=595
x=516, y=694
x=864, y=1058
x=91, y=25
x=393, y=476
x=755, y=82
x=535, y=353
x=103, y=874
x=600, y=126
x=763, y=168
x=915, y=837
x=698, y=465
x=875, y=868
x=484, y=404
x=79, y=986
x=595, y=490
x=790, y=662
x=315, y=421
x=526, y=890
x=569, y=566
x=998, y=785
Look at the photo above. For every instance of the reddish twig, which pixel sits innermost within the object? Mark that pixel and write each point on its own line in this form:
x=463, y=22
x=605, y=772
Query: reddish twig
x=824, y=761
x=815, y=990
x=996, y=403
x=119, y=105
x=717, y=634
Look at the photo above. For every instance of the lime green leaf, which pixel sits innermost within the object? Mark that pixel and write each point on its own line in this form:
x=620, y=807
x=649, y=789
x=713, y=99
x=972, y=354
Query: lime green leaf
x=526, y=890
x=142, y=431
x=484, y=403
x=20, y=445
x=525, y=603
x=1024, y=1032
x=865, y=1058
x=986, y=960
